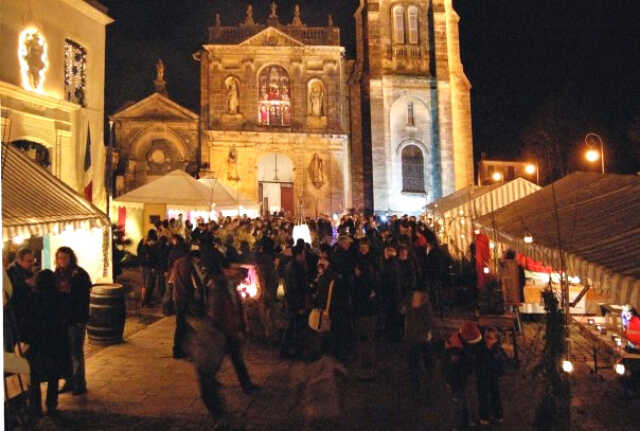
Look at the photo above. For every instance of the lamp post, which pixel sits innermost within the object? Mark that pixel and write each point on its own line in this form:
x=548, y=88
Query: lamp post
x=592, y=154
x=532, y=168
x=497, y=176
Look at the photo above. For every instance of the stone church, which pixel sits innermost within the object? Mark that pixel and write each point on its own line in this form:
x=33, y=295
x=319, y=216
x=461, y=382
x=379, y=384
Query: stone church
x=286, y=119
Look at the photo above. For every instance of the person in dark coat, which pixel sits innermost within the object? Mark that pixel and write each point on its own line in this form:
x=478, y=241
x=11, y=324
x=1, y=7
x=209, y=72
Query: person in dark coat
x=269, y=281
x=365, y=311
x=490, y=367
x=183, y=276
x=390, y=294
x=434, y=270
x=296, y=286
x=74, y=281
x=418, y=326
x=149, y=254
x=45, y=327
x=20, y=273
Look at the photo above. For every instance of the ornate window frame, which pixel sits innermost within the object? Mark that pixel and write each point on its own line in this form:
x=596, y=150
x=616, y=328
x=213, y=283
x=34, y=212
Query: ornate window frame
x=398, y=24
x=284, y=105
x=413, y=24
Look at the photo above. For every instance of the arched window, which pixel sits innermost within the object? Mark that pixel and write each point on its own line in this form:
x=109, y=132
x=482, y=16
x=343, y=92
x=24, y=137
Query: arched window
x=412, y=12
x=398, y=24
x=412, y=169
x=35, y=151
x=274, y=104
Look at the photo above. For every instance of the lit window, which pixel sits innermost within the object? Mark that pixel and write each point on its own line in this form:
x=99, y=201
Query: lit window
x=75, y=72
x=413, y=24
x=412, y=169
x=274, y=104
x=398, y=24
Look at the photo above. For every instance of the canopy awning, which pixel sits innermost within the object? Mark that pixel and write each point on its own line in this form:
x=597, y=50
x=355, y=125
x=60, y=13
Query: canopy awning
x=36, y=203
x=224, y=197
x=176, y=188
x=597, y=225
x=456, y=214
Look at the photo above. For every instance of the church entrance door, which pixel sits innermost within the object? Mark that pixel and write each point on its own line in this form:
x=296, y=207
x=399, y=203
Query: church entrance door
x=275, y=183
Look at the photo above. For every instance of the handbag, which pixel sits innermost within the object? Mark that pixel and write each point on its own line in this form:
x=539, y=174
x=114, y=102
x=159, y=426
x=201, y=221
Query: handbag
x=319, y=319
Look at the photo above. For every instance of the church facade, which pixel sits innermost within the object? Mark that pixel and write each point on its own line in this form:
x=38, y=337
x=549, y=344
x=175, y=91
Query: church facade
x=286, y=119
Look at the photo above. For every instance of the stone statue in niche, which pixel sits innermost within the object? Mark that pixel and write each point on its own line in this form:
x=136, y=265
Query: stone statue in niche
x=274, y=8
x=233, y=104
x=232, y=165
x=316, y=171
x=316, y=95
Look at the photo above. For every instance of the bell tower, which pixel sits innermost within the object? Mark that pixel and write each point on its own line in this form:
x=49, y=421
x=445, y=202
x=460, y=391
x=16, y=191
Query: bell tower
x=411, y=131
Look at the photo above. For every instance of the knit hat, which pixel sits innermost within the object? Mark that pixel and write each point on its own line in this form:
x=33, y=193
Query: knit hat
x=470, y=333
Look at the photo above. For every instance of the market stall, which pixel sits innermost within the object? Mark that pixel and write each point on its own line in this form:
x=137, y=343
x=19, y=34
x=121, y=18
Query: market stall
x=586, y=223
x=41, y=212
x=453, y=217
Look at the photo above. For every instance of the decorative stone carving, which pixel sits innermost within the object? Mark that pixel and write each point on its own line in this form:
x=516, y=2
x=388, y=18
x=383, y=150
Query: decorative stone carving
x=232, y=165
x=330, y=20
x=248, y=21
x=232, y=96
x=274, y=9
x=297, y=21
x=218, y=20
x=316, y=171
x=159, y=82
x=316, y=96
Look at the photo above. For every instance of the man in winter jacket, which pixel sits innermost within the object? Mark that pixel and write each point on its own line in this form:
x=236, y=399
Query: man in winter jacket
x=490, y=367
x=296, y=287
x=21, y=275
x=74, y=281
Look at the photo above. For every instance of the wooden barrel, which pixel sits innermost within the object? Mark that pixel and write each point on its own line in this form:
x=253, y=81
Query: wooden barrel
x=106, y=313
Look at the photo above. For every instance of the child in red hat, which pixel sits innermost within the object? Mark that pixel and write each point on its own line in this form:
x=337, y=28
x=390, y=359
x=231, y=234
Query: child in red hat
x=458, y=365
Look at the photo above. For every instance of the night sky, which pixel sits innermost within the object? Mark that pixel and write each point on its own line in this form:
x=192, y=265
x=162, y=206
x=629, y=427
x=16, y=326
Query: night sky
x=518, y=55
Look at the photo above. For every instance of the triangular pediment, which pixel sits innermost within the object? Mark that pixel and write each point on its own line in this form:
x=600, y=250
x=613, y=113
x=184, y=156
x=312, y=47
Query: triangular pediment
x=156, y=107
x=271, y=36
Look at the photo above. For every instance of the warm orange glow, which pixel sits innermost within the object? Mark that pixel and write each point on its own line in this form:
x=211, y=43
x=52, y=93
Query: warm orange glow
x=34, y=36
x=530, y=169
x=496, y=176
x=592, y=155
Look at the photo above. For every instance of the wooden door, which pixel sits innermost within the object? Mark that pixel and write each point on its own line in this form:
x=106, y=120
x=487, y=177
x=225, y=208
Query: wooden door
x=286, y=198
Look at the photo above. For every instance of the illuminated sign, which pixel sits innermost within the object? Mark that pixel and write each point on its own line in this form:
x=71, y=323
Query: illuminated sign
x=32, y=53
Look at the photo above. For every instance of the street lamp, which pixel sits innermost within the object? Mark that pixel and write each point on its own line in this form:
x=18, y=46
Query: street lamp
x=496, y=176
x=531, y=169
x=592, y=155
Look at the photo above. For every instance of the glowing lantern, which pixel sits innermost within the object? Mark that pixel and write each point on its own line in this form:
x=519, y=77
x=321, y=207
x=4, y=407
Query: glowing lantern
x=528, y=238
x=620, y=369
x=567, y=366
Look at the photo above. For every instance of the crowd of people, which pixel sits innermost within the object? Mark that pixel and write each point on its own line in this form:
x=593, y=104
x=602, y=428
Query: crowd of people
x=378, y=280
x=45, y=318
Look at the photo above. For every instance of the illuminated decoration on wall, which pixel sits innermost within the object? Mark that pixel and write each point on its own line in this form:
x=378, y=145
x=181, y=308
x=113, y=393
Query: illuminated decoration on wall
x=32, y=53
x=75, y=72
x=274, y=97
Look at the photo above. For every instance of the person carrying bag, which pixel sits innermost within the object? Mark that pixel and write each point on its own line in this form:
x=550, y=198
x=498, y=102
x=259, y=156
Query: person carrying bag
x=319, y=318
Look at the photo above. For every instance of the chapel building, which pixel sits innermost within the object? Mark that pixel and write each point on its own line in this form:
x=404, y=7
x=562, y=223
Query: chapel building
x=288, y=121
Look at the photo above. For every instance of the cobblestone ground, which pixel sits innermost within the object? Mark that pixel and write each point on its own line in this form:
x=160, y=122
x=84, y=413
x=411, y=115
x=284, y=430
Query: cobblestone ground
x=138, y=386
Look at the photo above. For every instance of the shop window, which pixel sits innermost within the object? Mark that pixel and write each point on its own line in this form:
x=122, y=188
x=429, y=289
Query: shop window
x=75, y=72
x=412, y=12
x=274, y=104
x=398, y=24
x=412, y=169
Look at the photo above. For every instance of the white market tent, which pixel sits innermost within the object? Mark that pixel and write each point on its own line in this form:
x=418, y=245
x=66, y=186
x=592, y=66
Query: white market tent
x=599, y=225
x=37, y=204
x=177, y=188
x=455, y=215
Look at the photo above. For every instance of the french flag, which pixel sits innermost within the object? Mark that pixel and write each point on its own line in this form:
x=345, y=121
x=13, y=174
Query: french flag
x=88, y=171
